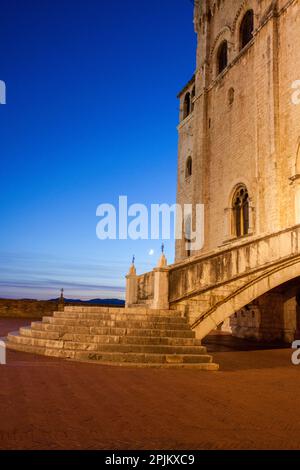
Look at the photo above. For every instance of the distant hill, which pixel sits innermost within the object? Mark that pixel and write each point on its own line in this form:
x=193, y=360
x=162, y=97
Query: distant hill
x=114, y=302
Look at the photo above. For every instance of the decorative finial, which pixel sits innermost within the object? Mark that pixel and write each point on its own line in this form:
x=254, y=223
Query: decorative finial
x=162, y=262
x=132, y=270
x=61, y=302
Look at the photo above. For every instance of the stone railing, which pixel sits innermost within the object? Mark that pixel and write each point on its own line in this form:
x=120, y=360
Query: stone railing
x=229, y=263
x=167, y=285
x=145, y=288
x=151, y=288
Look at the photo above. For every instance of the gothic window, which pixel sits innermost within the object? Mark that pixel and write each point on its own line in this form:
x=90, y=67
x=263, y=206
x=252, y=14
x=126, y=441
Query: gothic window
x=186, y=105
x=189, y=167
x=222, y=57
x=240, y=206
x=246, y=29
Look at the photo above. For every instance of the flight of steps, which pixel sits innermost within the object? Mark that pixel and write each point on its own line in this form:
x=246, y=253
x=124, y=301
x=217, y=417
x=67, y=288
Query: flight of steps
x=114, y=336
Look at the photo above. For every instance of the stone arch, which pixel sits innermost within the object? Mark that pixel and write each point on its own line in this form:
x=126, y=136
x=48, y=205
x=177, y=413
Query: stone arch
x=235, y=184
x=224, y=35
x=246, y=29
x=245, y=295
x=244, y=7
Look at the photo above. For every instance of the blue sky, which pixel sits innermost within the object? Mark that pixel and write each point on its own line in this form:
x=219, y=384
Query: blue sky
x=91, y=114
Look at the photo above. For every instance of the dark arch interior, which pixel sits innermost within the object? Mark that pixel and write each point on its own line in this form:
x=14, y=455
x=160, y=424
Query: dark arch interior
x=192, y=98
x=189, y=167
x=186, y=105
x=246, y=29
x=222, y=57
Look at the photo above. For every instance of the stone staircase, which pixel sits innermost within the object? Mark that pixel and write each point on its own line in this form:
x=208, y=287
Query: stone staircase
x=113, y=336
x=198, y=305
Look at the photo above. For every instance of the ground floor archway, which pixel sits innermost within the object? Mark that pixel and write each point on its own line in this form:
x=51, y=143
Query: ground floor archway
x=272, y=317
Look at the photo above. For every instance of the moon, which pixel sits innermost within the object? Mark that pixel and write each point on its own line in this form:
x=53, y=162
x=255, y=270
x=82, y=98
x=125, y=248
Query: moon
x=151, y=252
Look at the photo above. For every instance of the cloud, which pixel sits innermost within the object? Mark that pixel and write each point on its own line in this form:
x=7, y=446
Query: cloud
x=43, y=276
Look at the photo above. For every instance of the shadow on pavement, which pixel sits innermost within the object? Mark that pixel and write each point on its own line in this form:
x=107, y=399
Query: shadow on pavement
x=223, y=342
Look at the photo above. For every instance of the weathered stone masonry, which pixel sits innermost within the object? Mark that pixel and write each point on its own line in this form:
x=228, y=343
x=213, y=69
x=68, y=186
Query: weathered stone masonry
x=239, y=155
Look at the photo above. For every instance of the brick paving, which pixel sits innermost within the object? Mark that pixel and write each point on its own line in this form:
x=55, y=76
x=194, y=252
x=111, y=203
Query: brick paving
x=251, y=403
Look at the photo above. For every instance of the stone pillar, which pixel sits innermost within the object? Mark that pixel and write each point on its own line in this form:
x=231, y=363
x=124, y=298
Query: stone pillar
x=161, y=285
x=131, y=286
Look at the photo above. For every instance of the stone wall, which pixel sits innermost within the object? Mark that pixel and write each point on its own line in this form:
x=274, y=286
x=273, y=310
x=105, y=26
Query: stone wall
x=254, y=139
x=272, y=317
x=185, y=151
x=232, y=262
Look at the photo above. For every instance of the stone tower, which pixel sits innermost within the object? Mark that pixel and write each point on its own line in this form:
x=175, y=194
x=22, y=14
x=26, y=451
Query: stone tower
x=239, y=131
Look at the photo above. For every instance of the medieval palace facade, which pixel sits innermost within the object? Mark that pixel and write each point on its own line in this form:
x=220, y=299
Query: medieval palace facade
x=239, y=131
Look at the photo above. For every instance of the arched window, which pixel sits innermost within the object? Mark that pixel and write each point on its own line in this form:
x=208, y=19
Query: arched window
x=186, y=105
x=189, y=167
x=222, y=57
x=192, y=98
x=246, y=29
x=240, y=206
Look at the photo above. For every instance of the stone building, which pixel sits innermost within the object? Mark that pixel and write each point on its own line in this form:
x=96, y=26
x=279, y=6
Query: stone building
x=239, y=156
x=239, y=131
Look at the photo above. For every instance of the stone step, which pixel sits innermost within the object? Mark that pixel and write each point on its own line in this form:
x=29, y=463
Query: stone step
x=205, y=366
x=99, y=347
x=114, y=336
x=202, y=362
x=109, y=339
x=144, y=332
x=119, y=317
x=143, y=358
x=117, y=310
x=117, y=323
